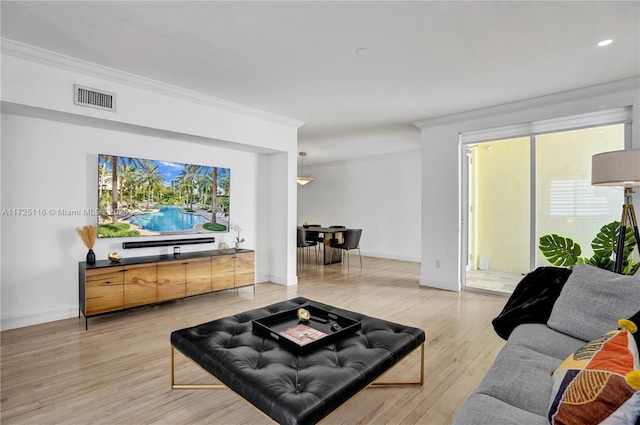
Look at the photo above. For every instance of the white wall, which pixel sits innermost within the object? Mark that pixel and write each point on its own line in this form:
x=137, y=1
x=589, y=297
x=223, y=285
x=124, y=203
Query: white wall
x=380, y=195
x=49, y=160
x=271, y=196
x=50, y=166
x=442, y=236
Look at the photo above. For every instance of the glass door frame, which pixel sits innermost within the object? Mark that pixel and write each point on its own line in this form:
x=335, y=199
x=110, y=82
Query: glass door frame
x=531, y=130
x=467, y=220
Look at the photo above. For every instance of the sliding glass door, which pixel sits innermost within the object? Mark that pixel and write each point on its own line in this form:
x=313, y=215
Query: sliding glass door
x=568, y=204
x=521, y=188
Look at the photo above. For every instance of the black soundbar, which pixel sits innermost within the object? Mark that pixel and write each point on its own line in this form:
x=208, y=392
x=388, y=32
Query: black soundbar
x=166, y=242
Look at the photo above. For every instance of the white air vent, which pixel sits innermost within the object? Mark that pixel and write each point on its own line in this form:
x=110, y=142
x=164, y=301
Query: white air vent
x=92, y=98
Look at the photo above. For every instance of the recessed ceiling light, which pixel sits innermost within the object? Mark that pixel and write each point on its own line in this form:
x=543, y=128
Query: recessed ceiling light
x=605, y=42
x=362, y=51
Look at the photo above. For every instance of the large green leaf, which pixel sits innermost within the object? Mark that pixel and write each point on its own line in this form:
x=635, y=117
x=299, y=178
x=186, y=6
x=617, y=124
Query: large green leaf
x=631, y=268
x=564, y=252
x=606, y=241
x=559, y=251
x=598, y=261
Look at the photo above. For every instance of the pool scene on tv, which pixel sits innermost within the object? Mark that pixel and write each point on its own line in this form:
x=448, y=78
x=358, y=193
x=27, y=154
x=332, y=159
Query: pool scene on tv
x=142, y=197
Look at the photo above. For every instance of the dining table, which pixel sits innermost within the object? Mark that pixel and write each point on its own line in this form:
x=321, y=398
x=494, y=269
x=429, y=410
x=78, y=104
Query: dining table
x=330, y=256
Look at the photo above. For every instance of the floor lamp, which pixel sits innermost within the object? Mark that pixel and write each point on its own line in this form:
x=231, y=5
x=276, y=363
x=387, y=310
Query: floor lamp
x=619, y=168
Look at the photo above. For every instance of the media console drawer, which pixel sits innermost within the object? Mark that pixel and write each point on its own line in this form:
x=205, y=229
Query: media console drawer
x=104, y=290
x=140, y=282
x=106, y=286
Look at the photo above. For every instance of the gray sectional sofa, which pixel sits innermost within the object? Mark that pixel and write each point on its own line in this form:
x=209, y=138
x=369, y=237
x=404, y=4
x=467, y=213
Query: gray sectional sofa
x=517, y=389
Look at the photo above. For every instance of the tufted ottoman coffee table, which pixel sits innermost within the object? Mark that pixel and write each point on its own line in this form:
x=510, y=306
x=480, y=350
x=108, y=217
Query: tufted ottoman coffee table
x=295, y=388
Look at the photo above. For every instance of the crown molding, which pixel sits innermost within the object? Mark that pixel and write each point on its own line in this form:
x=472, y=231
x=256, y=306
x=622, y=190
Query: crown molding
x=365, y=158
x=58, y=60
x=619, y=86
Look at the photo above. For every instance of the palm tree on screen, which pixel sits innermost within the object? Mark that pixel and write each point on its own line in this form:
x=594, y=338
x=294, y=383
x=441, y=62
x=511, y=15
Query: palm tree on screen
x=129, y=175
x=223, y=187
x=151, y=178
x=122, y=170
x=204, y=188
x=214, y=193
x=103, y=178
x=115, y=160
x=190, y=176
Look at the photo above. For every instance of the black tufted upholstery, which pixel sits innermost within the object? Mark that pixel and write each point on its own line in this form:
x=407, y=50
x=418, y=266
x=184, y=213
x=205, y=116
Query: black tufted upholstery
x=290, y=388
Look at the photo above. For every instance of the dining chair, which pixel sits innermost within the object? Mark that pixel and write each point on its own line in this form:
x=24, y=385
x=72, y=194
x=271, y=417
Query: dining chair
x=314, y=236
x=351, y=241
x=303, y=244
x=335, y=238
x=338, y=238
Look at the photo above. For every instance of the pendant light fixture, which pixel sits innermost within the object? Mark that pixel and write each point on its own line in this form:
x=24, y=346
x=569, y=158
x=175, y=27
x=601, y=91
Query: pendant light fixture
x=301, y=179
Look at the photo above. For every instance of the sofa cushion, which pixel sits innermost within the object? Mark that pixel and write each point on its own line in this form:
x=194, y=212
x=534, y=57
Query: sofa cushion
x=543, y=339
x=591, y=300
x=522, y=378
x=482, y=409
x=594, y=384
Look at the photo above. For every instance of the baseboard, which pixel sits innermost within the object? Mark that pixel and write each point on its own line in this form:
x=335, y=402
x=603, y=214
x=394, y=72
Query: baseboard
x=38, y=318
x=283, y=280
x=439, y=285
x=414, y=259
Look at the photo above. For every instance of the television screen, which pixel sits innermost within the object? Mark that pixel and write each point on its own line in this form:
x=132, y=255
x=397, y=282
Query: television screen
x=144, y=197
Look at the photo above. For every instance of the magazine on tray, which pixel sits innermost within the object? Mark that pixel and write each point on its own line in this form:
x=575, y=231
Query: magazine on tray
x=303, y=334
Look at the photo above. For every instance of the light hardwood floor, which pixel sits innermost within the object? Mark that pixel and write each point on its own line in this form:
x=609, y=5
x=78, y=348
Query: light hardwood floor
x=118, y=372
x=501, y=283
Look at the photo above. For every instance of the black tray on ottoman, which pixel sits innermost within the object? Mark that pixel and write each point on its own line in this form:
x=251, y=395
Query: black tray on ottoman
x=291, y=387
x=303, y=336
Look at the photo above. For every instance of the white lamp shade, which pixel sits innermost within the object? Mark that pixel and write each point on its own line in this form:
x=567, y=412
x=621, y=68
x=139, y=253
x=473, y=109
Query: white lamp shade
x=617, y=168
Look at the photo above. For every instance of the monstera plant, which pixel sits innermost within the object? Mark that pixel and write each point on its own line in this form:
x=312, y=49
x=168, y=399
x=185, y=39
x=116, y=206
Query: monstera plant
x=561, y=251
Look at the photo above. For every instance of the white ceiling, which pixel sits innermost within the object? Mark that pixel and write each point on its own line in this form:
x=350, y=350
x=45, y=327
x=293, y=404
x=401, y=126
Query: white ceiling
x=298, y=59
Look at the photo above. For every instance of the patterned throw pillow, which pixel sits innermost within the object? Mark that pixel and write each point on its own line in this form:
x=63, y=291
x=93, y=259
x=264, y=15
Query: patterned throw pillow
x=599, y=383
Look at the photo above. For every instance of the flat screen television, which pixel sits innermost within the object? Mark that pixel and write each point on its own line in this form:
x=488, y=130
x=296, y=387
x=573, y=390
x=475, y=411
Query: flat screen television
x=146, y=197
